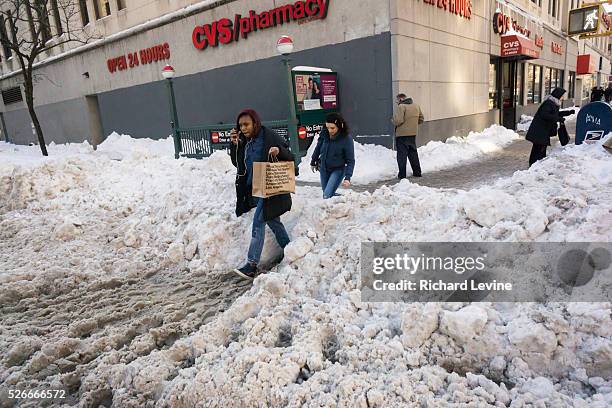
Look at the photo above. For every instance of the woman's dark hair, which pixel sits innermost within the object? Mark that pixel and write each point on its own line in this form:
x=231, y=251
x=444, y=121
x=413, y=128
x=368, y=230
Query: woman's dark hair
x=337, y=120
x=254, y=116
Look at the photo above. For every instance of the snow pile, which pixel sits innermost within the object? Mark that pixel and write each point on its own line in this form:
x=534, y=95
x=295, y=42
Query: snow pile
x=139, y=231
x=115, y=147
x=524, y=123
x=376, y=163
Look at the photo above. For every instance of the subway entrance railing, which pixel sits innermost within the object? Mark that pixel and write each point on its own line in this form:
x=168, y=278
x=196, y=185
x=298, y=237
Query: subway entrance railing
x=201, y=141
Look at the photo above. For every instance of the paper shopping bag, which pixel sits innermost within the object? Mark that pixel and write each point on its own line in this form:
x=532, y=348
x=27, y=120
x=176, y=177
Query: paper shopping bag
x=271, y=179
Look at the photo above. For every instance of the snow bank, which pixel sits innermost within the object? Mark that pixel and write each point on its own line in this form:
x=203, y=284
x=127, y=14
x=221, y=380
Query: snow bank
x=377, y=163
x=524, y=123
x=115, y=147
x=115, y=241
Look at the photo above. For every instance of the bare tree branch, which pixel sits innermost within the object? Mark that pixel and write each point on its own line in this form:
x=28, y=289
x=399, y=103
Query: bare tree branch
x=31, y=29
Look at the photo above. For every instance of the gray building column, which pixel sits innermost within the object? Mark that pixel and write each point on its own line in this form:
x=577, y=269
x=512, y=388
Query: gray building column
x=96, y=134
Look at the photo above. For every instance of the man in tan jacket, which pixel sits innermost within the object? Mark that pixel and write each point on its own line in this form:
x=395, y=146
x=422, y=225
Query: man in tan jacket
x=407, y=118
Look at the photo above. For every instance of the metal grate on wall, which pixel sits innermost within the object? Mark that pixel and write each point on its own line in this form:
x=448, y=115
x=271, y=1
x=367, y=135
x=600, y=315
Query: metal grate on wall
x=12, y=95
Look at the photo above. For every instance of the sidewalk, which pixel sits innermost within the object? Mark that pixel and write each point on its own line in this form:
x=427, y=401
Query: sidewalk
x=488, y=168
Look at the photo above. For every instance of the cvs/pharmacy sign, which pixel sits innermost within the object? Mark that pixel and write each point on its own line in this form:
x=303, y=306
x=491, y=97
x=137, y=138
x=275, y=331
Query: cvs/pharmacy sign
x=226, y=30
x=522, y=47
x=510, y=48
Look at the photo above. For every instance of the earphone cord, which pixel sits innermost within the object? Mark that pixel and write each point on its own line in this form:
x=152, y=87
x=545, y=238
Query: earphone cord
x=245, y=166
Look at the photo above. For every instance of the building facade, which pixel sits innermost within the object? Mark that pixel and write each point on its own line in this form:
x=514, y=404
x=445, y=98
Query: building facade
x=445, y=54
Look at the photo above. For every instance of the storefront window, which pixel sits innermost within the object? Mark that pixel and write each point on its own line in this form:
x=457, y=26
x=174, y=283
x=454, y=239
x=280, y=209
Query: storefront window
x=548, y=72
x=518, y=88
x=571, y=84
x=553, y=78
x=560, y=75
x=587, y=84
x=534, y=84
x=537, y=84
x=493, y=89
x=530, y=83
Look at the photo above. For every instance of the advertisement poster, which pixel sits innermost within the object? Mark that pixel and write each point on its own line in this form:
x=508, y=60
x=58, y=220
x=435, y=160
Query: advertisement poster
x=329, y=91
x=316, y=91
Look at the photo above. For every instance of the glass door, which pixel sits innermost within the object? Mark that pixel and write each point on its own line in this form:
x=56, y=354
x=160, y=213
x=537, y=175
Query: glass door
x=508, y=94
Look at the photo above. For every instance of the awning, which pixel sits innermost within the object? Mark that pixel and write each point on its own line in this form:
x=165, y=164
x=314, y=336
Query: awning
x=585, y=64
x=518, y=47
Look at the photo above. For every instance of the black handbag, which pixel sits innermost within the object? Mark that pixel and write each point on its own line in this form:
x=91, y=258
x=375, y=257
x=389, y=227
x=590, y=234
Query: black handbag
x=554, y=129
x=563, y=135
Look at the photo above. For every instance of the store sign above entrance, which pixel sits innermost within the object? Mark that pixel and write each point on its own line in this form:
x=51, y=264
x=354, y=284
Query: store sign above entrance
x=225, y=30
x=585, y=64
x=539, y=41
x=503, y=23
x=461, y=8
x=134, y=59
x=556, y=48
x=518, y=47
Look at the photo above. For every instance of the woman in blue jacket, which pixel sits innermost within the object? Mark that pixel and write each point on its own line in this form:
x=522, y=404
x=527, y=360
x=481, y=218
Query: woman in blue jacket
x=334, y=155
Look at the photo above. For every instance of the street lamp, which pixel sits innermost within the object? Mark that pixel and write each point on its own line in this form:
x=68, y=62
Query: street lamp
x=168, y=74
x=284, y=46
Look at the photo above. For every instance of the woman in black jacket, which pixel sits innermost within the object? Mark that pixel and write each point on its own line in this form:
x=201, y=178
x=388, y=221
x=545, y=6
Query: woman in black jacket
x=544, y=124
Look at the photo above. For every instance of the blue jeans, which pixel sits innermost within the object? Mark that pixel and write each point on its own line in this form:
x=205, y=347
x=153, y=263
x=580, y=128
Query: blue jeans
x=330, y=181
x=258, y=232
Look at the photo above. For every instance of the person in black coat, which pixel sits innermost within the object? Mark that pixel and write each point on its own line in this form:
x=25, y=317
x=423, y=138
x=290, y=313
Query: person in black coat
x=544, y=124
x=597, y=94
x=256, y=143
x=608, y=93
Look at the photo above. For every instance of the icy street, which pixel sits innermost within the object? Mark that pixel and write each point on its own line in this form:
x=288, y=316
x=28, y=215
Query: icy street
x=115, y=284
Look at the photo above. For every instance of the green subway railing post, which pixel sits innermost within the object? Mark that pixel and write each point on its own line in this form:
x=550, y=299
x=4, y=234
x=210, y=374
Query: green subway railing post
x=168, y=74
x=175, y=122
x=293, y=122
x=284, y=46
